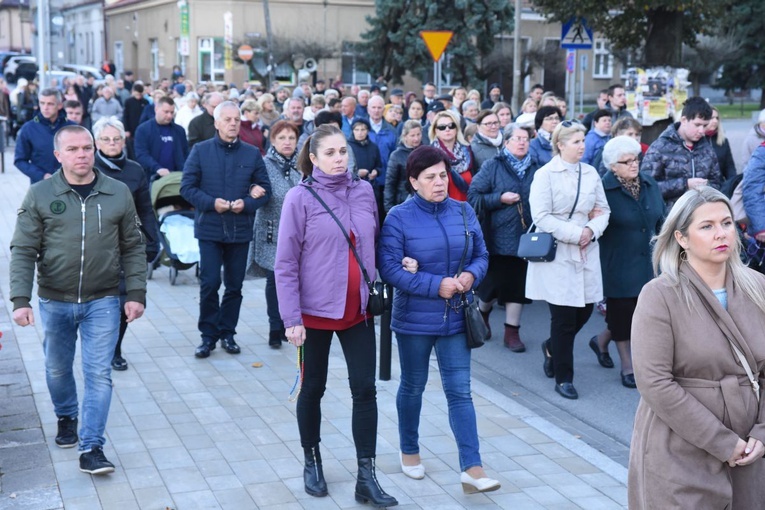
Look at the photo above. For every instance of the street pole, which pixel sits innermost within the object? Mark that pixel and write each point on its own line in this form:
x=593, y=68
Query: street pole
x=514, y=104
x=42, y=43
x=572, y=100
x=269, y=43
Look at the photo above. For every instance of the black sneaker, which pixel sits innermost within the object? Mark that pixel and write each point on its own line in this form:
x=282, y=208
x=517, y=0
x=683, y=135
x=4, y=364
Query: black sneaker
x=67, y=432
x=95, y=463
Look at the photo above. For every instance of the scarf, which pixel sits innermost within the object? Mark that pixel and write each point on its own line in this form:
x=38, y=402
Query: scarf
x=632, y=186
x=519, y=166
x=495, y=142
x=460, y=162
x=113, y=163
x=286, y=165
x=544, y=134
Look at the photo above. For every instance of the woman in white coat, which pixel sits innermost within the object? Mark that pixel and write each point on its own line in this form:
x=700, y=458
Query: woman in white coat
x=568, y=201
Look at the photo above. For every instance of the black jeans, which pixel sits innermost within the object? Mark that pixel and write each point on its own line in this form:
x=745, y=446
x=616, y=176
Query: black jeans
x=565, y=323
x=358, y=345
x=218, y=318
x=272, y=304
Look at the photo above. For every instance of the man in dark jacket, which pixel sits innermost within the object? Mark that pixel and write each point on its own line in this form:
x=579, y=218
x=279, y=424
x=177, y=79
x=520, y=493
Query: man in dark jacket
x=617, y=103
x=131, y=116
x=79, y=228
x=226, y=181
x=682, y=158
x=160, y=144
x=34, y=143
x=202, y=127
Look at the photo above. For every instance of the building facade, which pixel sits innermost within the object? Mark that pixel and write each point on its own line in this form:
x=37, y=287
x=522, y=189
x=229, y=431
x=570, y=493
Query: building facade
x=15, y=26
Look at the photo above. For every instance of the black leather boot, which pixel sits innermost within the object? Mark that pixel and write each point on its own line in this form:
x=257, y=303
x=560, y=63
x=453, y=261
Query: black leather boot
x=313, y=475
x=368, y=489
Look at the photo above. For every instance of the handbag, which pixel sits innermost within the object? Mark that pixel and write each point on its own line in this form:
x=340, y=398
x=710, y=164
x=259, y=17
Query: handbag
x=379, y=298
x=475, y=327
x=541, y=246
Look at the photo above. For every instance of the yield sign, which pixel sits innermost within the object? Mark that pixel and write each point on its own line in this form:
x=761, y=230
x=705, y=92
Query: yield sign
x=436, y=41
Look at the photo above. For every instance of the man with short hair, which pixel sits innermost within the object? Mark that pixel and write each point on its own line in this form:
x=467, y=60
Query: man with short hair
x=362, y=100
x=202, y=127
x=617, y=103
x=226, y=182
x=79, y=228
x=106, y=106
x=74, y=112
x=293, y=112
x=397, y=97
x=131, y=115
x=384, y=136
x=429, y=93
x=160, y=144
x=334, y=105
x=536, y=93
x=120, y=92
x=682, y=158
x=348, y=109
x=597, y=137
x=34, y=142
x=280, y=97
x=601, y=101
x=495, y=96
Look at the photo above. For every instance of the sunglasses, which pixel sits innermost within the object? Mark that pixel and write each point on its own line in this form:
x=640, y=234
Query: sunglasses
x=444, y=127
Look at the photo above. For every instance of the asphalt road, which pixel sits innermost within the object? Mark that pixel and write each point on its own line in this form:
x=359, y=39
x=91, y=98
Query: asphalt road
x=604, y=405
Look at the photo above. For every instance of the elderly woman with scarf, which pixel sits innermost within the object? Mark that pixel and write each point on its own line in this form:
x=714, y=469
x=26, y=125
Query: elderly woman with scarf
x=281, y=165
x=501, y=191
x=487, y=142
x=446, y=135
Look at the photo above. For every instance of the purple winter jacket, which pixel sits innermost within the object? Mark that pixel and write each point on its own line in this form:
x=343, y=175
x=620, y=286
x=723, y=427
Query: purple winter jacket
x=312, y=253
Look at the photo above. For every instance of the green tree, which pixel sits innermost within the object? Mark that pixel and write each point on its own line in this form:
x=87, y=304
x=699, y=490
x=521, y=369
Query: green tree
x=393, y=46
x=656, y=28
x=747, y=71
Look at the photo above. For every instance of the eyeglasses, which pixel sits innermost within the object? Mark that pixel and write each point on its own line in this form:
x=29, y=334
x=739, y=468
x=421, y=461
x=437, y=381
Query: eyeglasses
x=629, y=162
x=552, y=118
x=116, y=139
x=518, y=139
x=491, y=124
x=444, y=127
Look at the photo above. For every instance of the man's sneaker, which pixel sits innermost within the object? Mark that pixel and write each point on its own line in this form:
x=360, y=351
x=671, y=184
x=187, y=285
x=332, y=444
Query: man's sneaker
x=67, y=432
x=95, y=463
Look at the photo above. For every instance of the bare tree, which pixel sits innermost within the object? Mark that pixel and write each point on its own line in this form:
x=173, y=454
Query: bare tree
x=709, y=54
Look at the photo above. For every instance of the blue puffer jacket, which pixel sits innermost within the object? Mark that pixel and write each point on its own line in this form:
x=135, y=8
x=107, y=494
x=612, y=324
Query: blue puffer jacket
x=754, y=191
x=34, y=146
x=386, y=141
x=218, y=169
x=434, y=235
x=541, y=151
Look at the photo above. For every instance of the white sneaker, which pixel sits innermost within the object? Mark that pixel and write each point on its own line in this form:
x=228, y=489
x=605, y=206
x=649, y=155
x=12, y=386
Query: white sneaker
x=472, y=485
x=417, y=472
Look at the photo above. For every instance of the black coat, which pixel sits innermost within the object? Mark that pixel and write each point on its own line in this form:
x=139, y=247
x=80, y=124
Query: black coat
x=201, y=128
x=396, y=181
x=132, y=175
x=367, y=155
x=131, y=114
x=724, y=158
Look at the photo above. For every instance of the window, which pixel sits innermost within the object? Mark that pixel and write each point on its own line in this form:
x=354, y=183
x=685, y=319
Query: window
x=602, y=65
x=352, y=74
x=211, y=59
x=154, y=59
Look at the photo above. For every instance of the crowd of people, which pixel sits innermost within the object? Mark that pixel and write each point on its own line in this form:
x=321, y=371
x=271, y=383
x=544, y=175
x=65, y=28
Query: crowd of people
x=319, y=188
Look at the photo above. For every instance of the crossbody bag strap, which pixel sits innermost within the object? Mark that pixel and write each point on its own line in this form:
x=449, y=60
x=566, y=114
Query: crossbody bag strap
x=347, y=237
x=578, y=189
x=467, y=241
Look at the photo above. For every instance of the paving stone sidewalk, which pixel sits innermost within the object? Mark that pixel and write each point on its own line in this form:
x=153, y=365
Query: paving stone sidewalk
x=220, y=433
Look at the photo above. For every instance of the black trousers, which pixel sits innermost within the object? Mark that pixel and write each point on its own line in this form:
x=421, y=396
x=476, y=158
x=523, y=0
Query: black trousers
x=358, y=345
x=565, y=323
x=272, y=304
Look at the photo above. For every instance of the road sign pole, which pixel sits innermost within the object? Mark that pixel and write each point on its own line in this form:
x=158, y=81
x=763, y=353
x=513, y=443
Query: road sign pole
x=572, y=99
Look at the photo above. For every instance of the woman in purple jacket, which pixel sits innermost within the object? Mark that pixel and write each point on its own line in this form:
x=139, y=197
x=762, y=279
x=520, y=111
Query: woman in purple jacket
x=321, y=292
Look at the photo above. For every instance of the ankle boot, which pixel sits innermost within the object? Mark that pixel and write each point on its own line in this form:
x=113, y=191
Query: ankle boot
x=313, y=475
x=368, y=489
x=485, y=316
x=513, y=339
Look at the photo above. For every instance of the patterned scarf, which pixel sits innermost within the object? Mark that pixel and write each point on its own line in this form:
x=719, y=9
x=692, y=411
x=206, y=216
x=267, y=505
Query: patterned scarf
x=632, y=186
x=459, y=158
x=287, y=165
x=519, y=166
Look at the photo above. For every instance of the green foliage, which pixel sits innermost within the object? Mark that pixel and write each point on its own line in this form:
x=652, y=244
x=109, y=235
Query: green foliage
x=657, y=28
x=393, y=46
x=747, y=18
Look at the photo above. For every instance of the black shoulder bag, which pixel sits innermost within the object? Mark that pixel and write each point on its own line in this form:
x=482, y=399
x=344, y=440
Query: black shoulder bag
x=378, y=293
x=475, y=328
x=541, y=246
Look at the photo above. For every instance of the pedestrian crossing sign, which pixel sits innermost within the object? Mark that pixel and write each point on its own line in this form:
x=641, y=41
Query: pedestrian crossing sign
x=576, y=35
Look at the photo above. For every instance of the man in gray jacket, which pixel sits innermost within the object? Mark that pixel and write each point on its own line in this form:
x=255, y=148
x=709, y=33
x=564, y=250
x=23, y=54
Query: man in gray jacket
x=106, y=105
x=77, y=227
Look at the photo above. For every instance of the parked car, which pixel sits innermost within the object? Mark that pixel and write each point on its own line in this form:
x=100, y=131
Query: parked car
x=5, y=55
x=20, y=66
x=86, y=71
x=60, y=76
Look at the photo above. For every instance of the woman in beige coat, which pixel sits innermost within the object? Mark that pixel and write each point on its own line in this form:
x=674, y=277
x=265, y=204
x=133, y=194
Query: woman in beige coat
x=700, y=425
x=571, y=283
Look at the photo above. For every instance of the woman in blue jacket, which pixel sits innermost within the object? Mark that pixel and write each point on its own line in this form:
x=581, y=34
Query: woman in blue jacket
x=546, y=120
x=427, y=311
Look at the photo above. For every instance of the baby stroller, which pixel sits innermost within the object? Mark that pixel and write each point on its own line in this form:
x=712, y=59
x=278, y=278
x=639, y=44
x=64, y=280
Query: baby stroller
x=180, y=249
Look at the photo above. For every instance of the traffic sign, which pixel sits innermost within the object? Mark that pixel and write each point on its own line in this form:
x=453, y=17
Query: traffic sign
x=436, y=41
x=245, y=52
x=576, y=35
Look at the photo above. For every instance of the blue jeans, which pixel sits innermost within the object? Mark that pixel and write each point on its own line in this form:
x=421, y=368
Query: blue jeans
x=98, y=322
x=454, y=365
x=218, y=318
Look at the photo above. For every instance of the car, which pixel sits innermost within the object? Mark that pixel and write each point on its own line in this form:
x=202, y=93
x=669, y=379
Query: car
x=60, y=76
x=5, y=55
x=86, y=71
x=20, y=66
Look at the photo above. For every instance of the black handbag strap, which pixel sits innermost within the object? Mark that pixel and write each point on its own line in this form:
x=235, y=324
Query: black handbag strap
x=576, y=199
x=347, y=237
x=467, y=241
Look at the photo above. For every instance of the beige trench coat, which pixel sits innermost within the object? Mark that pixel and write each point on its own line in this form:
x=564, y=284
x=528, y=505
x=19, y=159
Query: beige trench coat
x=696, y=400
x=573, y=278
